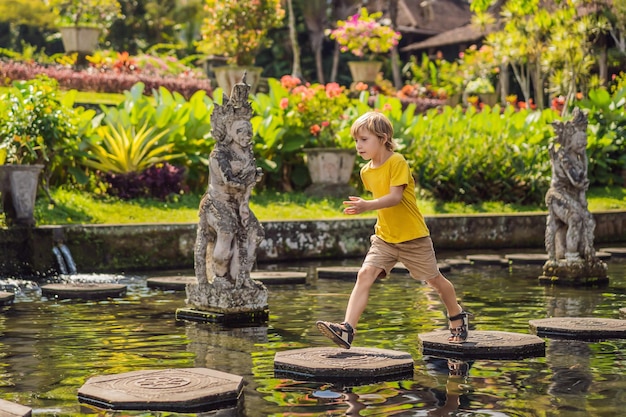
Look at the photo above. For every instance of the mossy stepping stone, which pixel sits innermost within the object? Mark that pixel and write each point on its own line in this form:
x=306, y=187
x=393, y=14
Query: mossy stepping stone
x=338, y=272
x=86, y=291
x=527, y=258
x=582, y=328
x=353, y=366
x=185, y=390
x=9, y=409
x=279, y=277
x=173, y=283
x=6, y=298
x=615, y=252
x=487, y=259
x=483, y=345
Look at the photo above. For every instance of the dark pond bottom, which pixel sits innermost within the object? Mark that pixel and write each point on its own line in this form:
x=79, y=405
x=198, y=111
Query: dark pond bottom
x=49, y=348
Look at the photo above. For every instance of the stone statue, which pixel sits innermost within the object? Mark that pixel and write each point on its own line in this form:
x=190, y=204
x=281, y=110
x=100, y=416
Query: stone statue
x=228, y=231
x=570, y=225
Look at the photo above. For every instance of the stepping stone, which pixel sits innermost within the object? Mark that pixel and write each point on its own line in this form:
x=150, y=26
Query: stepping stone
x=9, y=409
x=483, y=345
x=87, y=291
x=338, y=272
x=615, y=252
x=354, y=366
x=458, y=263
x=527, y=258
x=6, y=298
x=279, y=277
x=174, y=283
x=236, y=318
x=603, y=256
x=185, y=390
x=399, y=268
x=487, y=260
x=582, y=328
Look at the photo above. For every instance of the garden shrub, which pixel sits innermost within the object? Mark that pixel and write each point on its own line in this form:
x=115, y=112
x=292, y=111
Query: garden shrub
x=158, y=181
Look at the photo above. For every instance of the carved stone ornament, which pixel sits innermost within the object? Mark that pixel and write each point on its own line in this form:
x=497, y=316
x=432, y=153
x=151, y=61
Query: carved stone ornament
x=570, y=225
x=228, y=231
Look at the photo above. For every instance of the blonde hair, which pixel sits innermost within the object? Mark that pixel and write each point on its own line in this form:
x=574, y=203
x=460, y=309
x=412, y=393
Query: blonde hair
x=377, y=124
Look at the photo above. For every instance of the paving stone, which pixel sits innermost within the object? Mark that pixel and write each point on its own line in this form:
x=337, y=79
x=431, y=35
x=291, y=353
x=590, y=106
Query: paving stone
x=338, y=272
x=87, y=291
x=479, y=259
x=615, y=252
x=355, y=366
x=9, y=409
x=399, y=268
x=174, y=283
x=6, y=298
x=279, y=277
x=527, y=258
x=183, y=390
x=583, y=328
x=483, y=345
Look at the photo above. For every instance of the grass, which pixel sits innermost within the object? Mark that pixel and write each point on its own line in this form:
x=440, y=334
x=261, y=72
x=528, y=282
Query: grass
x=73, y=207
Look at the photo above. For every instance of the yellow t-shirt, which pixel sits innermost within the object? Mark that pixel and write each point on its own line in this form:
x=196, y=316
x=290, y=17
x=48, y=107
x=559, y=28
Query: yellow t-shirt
x=404, y=221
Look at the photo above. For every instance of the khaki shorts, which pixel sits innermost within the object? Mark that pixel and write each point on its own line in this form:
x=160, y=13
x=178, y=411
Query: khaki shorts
x=417, y=255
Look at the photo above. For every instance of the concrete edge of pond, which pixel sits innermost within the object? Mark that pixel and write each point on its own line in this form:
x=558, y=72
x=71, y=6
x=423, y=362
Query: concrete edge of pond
x=144, y=247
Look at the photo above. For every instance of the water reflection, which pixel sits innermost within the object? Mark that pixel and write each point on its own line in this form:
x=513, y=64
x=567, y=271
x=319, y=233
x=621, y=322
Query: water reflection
x=49, y=348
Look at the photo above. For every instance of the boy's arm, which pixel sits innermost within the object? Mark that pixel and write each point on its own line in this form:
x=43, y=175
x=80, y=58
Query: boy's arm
x=357, y=205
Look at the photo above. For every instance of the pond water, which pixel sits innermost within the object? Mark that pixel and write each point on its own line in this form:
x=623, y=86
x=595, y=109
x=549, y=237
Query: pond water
x=48, y=348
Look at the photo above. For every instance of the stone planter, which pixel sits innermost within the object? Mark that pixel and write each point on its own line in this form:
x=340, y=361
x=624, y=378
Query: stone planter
x=364, y=71
x=80, y=39
x=227, y=76
x=330, y=170
x=18, y=186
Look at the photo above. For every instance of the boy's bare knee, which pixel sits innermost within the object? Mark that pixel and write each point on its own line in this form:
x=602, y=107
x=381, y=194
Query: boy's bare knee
x=368, y=274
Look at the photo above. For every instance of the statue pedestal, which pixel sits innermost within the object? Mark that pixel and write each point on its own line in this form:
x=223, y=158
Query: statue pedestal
x=220, y=302
x=578, y=272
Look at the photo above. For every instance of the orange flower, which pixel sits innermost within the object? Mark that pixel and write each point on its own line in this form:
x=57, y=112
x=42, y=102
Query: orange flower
x=361, y=86
x=315, y=130
x=284, y=103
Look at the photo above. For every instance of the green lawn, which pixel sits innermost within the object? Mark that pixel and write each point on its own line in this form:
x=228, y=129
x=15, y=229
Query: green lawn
x=79, y=208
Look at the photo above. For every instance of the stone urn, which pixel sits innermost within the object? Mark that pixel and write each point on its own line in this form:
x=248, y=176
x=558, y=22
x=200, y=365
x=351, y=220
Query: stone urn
x=18, y=187
x=364, y=71
x=227, y=76
x=330, y=170
x=82, y=39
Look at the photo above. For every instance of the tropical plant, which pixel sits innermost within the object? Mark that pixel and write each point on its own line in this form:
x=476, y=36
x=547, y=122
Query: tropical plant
x=364, y=36
x=236, y=29
x=96, y=13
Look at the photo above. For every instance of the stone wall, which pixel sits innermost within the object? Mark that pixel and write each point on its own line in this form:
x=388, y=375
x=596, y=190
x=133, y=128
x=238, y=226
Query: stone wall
x=125, y=248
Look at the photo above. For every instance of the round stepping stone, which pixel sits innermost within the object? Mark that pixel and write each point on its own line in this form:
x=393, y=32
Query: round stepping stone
x=175, y=283
x=186, y=390
x=399, y=268
x=527, y=258
x=615, y=252
x=6, y=298
x=355, y=366
x=9, y=409
x=483, y=345
x=279, y=277
x=583, y=328
x=87, y=291
x=487, y=260
x=338, y=272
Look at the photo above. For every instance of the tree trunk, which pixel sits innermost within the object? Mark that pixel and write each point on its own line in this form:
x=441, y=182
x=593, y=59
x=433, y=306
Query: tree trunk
x=395, y=56
x=296, y=71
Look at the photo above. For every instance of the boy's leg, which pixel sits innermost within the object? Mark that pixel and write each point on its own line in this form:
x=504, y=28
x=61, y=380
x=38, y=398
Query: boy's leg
x=360, y=293
x=447, y=293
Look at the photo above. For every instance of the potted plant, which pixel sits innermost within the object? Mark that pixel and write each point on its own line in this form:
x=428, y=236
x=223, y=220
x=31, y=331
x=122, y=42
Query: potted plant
x=34, y=125
x=365, y=37
x=319, y=116
x=236, y=30
x=81, y=21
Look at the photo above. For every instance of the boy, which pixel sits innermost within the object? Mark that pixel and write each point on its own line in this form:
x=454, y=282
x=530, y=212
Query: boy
x=400, y=233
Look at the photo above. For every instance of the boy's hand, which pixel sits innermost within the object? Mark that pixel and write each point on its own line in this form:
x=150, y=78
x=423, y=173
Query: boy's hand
x=355, y=205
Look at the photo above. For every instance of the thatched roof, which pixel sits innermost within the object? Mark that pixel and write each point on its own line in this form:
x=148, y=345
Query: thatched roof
x=427, y=17
x=463, y=35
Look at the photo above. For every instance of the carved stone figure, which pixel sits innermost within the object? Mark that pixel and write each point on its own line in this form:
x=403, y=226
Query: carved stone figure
x=570, y=225
x=228, y=231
